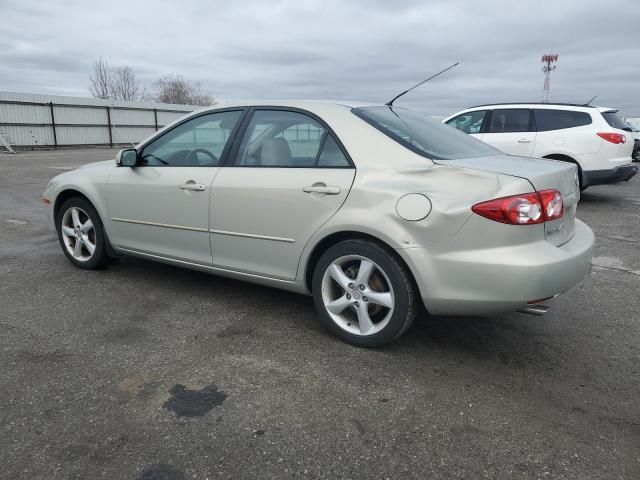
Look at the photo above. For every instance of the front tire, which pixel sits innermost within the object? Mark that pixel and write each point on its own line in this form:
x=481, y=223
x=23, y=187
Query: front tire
x=363, y=293
x=81, y=234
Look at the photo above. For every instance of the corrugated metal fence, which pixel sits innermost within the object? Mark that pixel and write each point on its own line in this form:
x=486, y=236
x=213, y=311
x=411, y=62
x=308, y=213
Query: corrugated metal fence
x=41, y=121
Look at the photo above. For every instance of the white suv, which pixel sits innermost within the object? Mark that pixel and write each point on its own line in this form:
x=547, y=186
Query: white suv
x=591, y=137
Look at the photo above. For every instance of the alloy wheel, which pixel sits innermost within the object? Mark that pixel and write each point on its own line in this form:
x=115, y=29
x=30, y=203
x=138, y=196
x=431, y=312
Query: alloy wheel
x=358, y=295
x=78, y=234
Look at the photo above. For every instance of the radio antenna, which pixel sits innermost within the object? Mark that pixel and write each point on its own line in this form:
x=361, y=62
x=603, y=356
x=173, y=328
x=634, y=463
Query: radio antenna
x=390, y=103
x=589, y=102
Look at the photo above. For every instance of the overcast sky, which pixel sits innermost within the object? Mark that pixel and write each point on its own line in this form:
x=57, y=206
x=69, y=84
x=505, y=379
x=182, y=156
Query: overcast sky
x=326, y=49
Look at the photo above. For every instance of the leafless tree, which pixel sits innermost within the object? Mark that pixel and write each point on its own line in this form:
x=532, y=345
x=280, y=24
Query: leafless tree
x=100, y=79
x=174, y=88
x=123, y=84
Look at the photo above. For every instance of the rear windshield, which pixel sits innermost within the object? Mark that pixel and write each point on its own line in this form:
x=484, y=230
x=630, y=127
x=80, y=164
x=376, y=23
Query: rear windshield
x=423, y=135
x=615, y=120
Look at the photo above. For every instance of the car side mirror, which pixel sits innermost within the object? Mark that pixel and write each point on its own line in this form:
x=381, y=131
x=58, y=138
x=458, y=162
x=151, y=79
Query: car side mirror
x=127, y=157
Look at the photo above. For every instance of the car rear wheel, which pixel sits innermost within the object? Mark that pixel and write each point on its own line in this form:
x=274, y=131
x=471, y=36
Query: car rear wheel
x=364, y=295
x=81, y=234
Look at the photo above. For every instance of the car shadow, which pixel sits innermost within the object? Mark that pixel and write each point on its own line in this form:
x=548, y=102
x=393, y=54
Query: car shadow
x=514, y=340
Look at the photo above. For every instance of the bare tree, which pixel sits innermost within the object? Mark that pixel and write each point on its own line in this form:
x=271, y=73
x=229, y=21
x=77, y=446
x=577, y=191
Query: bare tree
x=100, y=79
x=174, y=88
x=123, y=84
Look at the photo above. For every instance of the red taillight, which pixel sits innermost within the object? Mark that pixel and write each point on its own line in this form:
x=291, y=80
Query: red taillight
x=525, y=209
x=613, y=137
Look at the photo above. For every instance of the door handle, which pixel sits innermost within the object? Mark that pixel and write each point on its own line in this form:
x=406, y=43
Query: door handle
x=321, y=188
x=524, y=140
x=192, y=185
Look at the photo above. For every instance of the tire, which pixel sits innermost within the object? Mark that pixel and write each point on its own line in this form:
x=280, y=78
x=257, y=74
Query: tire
x=72, y=225
x=364, y=295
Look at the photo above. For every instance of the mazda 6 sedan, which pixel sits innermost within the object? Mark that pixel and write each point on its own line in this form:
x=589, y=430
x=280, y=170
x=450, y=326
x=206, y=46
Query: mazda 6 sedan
x=376, y=211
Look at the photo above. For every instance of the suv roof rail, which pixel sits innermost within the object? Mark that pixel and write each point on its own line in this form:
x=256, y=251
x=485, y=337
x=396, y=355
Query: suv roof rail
x=535, y=103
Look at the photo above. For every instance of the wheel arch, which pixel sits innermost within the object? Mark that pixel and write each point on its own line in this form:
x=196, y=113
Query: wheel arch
x=566, y=158
x=331, y=239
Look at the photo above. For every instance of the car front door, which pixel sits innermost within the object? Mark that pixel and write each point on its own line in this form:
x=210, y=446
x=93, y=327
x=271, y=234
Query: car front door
x=470, y=122
x=161, y=206
x=511, y=130
x=287, y=176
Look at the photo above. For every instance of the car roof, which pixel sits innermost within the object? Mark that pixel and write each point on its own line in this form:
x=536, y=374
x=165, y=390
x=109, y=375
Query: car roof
x=301, y=104
x=543, y=105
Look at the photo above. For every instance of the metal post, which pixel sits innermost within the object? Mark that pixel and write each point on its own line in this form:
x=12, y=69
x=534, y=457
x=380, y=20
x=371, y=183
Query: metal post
x=53, y=126
x=109, y=121
x=155, y=117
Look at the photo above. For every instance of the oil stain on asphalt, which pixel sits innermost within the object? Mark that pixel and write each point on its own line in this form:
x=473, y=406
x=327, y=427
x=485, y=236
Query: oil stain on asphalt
x=194, y=403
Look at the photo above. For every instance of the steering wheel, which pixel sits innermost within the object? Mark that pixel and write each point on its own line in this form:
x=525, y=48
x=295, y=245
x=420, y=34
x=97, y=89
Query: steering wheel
x=192, y=158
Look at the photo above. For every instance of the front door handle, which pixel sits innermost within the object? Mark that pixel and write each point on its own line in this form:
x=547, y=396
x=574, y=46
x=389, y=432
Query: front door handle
x=524, y=140
x=322, y=188
x=192, y=185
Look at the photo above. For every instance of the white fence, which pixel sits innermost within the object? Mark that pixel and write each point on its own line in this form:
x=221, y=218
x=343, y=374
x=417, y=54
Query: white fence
x=30, y=121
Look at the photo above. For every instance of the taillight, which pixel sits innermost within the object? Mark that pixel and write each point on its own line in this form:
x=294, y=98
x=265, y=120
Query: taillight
x=613, y=137
x=525, y=209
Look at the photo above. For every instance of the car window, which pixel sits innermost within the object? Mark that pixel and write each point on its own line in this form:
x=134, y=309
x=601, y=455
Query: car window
x=614, y=119
x=509, y=120
x=198, y=142
x=424, y=135
x=331, y=155
x=278, y=138
x=548, y=119
x=470, y=122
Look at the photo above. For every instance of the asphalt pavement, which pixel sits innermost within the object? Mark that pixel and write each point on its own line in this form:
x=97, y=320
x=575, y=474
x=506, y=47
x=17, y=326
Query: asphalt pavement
x=148, y=371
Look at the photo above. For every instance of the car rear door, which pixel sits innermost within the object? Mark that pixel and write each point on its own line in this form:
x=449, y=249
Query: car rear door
x=287, y=175
x=511, y=130
x=161, y=206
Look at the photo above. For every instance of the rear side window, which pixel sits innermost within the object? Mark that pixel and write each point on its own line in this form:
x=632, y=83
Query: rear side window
x=470, y=122
x=510, y=120
x=614, y=119
x=547, y=119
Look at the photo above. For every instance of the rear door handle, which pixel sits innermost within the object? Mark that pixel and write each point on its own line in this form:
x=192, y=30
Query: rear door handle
x=524, y=140
x=328, y=190
x=192, y=185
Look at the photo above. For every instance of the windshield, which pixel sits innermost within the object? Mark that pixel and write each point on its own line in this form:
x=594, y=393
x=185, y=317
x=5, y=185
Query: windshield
x=423, y=135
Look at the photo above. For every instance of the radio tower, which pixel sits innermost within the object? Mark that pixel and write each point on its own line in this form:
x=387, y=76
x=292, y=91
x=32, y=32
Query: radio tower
x=547, y=67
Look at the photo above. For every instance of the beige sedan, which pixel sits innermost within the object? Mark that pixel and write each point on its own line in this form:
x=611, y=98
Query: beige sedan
x=374, y=210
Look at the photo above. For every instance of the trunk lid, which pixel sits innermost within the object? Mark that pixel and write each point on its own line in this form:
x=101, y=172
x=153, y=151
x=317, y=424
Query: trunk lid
x=542, y=174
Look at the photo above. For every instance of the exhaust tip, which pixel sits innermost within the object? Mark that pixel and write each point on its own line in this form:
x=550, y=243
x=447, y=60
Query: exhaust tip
x=535, y=310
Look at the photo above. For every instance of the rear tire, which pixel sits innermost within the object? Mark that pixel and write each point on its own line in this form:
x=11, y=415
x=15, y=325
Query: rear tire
x=81, y=234
x=364, y=295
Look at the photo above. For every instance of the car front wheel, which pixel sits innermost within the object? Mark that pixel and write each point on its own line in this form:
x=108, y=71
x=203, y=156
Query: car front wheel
x=363, y=293
x=81, y=234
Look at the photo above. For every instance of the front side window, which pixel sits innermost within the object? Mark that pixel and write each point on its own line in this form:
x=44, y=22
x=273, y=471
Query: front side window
x=198, y=142
x=548, y=119
x=509, y=120
x=279, y=138
x=470, y=122
x=423, y=135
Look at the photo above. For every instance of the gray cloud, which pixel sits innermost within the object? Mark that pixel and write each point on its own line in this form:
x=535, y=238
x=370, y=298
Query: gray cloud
x=364, y=50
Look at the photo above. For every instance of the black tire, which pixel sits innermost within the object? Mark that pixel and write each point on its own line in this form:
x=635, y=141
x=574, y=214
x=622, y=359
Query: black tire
x=405, y=303
x=99, y=258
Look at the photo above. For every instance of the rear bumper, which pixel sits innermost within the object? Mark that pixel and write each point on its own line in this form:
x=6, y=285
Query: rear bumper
x=614, y=175
x=493, y=281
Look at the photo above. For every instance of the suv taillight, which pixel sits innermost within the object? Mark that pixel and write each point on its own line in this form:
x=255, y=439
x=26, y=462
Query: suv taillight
x=525, y=209
x=613, y=137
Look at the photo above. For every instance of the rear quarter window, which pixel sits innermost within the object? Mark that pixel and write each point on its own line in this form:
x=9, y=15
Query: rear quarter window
x=548, y=119
x=614, y=120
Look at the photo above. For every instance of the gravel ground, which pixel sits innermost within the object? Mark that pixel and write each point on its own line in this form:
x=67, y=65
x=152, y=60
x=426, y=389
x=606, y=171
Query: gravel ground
x=147, y=371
